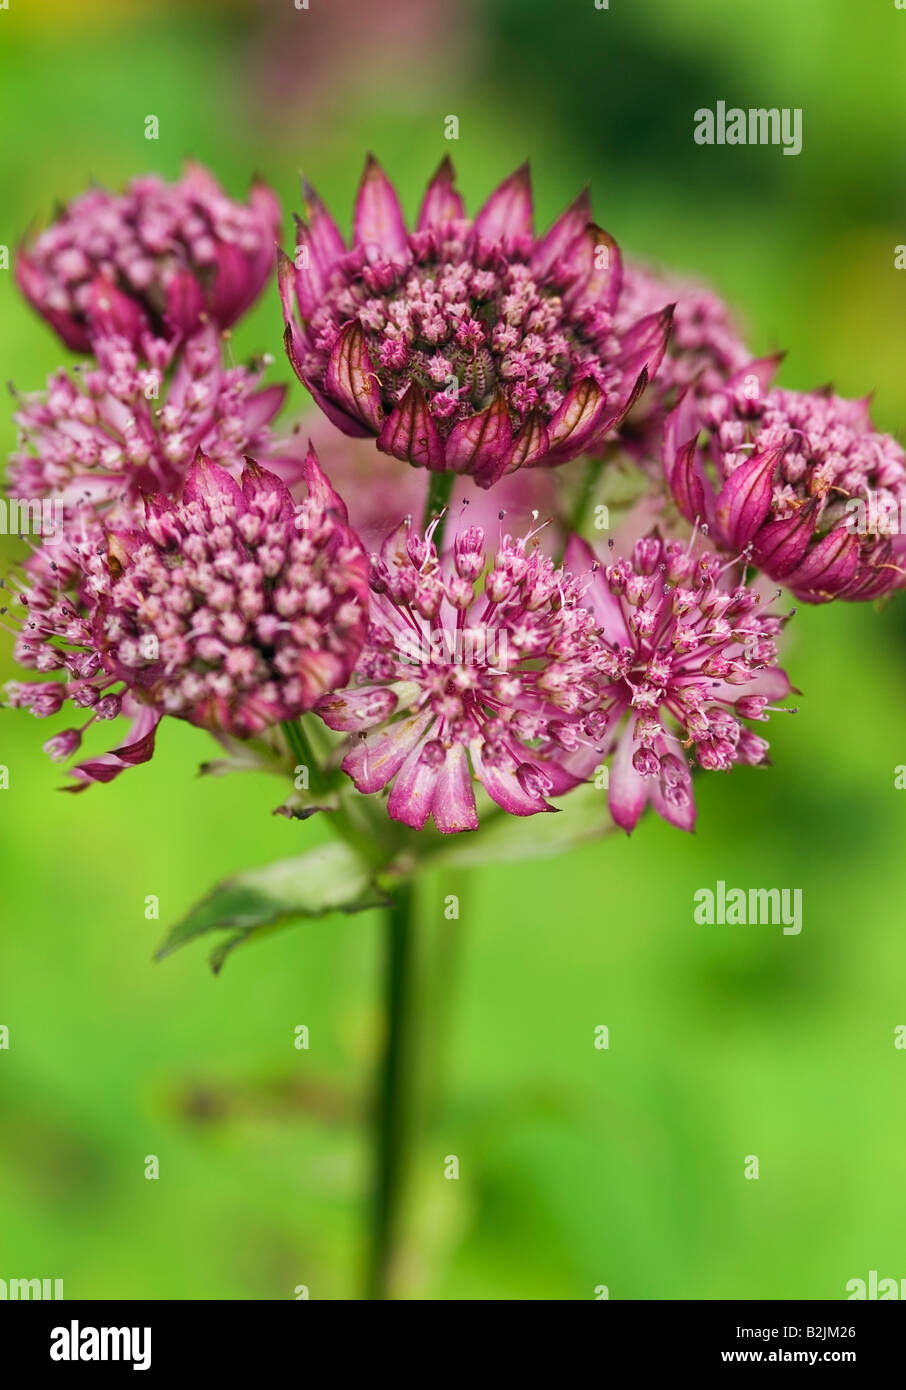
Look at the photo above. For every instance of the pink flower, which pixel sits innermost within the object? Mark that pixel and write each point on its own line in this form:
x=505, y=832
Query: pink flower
x=121, y=427
x=233, y=609
x=781, y=475
x=467, y=672
x=465, y=346
x=686, y=658
x=158, y=258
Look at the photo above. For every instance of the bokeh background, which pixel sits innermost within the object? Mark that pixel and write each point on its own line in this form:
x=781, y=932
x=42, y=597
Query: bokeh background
x=579, y=1167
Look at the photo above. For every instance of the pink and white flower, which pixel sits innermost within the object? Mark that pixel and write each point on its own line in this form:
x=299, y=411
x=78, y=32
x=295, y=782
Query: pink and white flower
x=469, y=671
x=233, y=609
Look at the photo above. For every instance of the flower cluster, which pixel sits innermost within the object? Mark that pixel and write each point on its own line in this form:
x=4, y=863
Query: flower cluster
x=468, y=346
x=233, y=608
x=158, y=258
x=781, y=473
x=119, y=427
x=210, y=573
x=688, y=654
x=467, y=659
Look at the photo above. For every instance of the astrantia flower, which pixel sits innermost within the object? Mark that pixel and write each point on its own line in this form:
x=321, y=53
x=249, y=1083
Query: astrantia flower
x=704, y=350
x=786, y=468
x=464, y=666
x=687, y=656
x=121, y=426
x=467, y=346
x=156, y=258
x=233, y=609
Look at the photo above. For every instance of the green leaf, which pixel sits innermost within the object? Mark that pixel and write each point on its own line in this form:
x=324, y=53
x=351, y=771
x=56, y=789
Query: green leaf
x=252, y=904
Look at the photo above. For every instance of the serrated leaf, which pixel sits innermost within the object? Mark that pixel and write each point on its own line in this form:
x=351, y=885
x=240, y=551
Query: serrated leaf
x=331, y=878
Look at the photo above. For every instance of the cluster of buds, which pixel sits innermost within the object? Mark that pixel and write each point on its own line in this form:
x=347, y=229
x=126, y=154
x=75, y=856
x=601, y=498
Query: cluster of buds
x=209, y=574
x=780, y=474
x=468, y=346
x=159, y=258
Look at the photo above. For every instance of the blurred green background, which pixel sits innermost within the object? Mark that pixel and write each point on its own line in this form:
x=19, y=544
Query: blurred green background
x=578, y=1167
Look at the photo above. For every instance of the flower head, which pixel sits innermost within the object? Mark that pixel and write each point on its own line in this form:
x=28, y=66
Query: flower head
x=466, y=663
x=788, y=469
x=687, y=657
x=232, y=608
x=466, y=345
x=120, y=427
x=159, y=257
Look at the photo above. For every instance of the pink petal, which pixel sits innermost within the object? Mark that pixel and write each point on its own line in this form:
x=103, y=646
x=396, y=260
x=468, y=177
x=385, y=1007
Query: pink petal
x=350, y=711
x=442, y=203
x=508, y=211
x=111, y=312
x=375, y=759
x=531, y=445
x=687, y=482
x=503, y=786
x=763, y=368
x=559, y=243
x=207, y=482
x=232, y=288
x=268, y=491
x=678, y=812
x=325, y=241
x=599, y=285
x=453, y=803
x=319, y=486
x=627, y=789
x=409, y=432
x=577, y=418
x=781, y=545
x=745, y=498
x=413, y=790
x=645, y=342
x=262, y=407
x=350, y=377
x=827, y=568
x=480, y=444
x=378, y=221
x=138, y=748
x=185, y=304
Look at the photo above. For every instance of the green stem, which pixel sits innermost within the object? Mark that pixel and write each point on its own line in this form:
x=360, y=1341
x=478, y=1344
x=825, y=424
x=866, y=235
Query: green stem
x=440, y=485
x=587, y=486
x=391, y=1112
x=300, y=747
